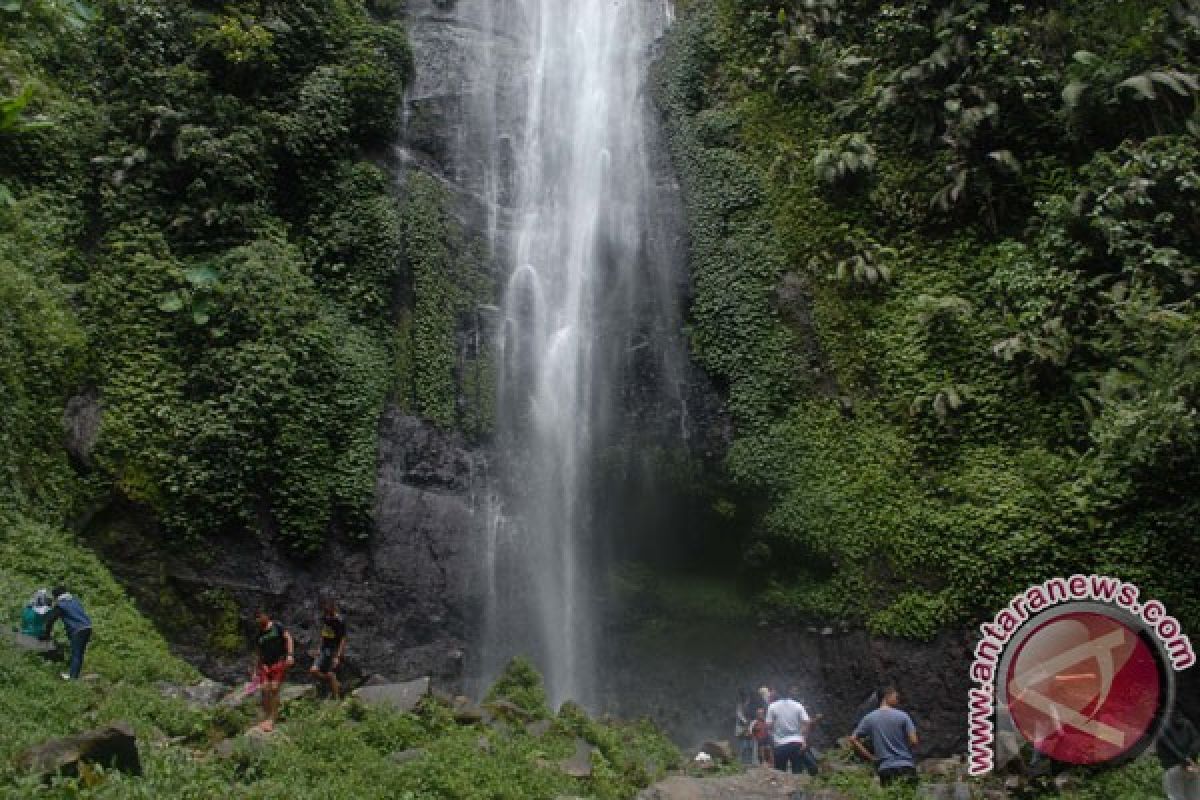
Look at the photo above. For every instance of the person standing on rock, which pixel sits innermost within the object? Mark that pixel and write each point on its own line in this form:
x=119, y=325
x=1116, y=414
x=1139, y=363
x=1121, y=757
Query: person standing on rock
x=893, y=735
x=77, y=624
x=333, y=646
x=789, y=723
x=274, y=654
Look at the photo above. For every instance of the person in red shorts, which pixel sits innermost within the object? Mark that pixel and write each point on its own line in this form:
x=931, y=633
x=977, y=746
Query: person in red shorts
x=273, y=655
x=761, y=732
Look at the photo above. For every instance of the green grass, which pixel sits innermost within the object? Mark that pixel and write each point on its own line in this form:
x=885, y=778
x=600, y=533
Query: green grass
x=1137, y=780
x=320, y=750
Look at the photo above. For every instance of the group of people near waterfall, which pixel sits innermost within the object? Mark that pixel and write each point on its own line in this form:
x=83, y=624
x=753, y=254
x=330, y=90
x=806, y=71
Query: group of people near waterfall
x=774, y=730
x=274, y=655
x=274, y=647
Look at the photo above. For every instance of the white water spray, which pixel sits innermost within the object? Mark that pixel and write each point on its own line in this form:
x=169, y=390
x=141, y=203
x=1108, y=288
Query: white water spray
x=556, y=110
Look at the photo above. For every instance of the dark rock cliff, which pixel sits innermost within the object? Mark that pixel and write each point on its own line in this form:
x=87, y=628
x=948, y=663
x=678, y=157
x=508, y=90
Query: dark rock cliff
x=404, y=592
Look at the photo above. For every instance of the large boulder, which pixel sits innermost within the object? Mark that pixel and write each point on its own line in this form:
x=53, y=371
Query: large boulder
x=402, y=697
x=81, y=426
x=30, y=644
x=539, y=729
x=410, y=755
x=579, y=765
x=945, y=791
x=952, y=767
x=205, y=694
x=508, y=710
x=720, y=750
x=253, y=742
x=113, y=746
x=756, y=783
x=297, y=691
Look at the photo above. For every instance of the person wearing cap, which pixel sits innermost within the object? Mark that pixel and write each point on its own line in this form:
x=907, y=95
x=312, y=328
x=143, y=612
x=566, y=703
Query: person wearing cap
x=33, y=617
x=78, y=626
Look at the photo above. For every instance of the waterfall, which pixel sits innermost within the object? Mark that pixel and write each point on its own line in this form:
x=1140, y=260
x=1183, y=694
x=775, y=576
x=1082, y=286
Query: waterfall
x=553, y=146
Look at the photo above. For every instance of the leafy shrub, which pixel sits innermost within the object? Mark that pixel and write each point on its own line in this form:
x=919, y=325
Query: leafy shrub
x=521, y=684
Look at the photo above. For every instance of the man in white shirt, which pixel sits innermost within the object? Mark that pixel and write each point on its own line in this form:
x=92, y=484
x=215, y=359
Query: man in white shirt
x=789, y=724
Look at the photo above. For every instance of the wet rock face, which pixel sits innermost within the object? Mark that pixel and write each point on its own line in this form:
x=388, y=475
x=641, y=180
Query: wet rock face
x=402, y=593
x=81, y=426
x=113, y=746
x=690, y=688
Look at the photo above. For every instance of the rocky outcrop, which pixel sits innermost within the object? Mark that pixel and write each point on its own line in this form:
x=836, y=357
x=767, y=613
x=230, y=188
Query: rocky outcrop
x=687, y=679
x=757, y=783
x=401, y=697
x=403, y=592
x=579, y=764
x=113, y=746
x=29, y=644
x=81, y=426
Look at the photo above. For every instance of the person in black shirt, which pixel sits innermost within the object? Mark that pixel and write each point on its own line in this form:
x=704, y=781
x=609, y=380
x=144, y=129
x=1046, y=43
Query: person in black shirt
x=274, y=654
x=333, y=646
x=1179, y=753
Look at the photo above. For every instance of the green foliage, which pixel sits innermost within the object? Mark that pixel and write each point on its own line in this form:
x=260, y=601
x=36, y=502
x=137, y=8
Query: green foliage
x=262, y=394
x=846, y=158
x=521, y=684
x=195, y=234
x=354, y=240
x=1133, y=781
x=961, y=380
x=446, y=281
x=42, y=352
x=379, y=66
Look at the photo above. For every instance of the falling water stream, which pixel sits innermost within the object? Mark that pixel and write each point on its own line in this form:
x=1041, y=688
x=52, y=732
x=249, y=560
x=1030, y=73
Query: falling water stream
x=559, y=113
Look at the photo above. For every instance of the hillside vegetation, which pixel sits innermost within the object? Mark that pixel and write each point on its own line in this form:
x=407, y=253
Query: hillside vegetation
x=321, y=749
x=945, y=263
x=200, y=235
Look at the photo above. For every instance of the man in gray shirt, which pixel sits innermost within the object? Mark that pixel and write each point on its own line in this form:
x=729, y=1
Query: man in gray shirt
x=893, y=736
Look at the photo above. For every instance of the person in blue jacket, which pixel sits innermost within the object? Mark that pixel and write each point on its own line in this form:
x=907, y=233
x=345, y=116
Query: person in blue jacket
x=78, y=625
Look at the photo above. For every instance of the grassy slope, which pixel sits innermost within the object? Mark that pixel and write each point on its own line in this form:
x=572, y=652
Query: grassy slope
x=322, y=750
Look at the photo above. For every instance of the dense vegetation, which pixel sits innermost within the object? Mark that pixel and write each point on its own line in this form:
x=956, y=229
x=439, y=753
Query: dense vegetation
x=945, y=262
x=197, y=233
